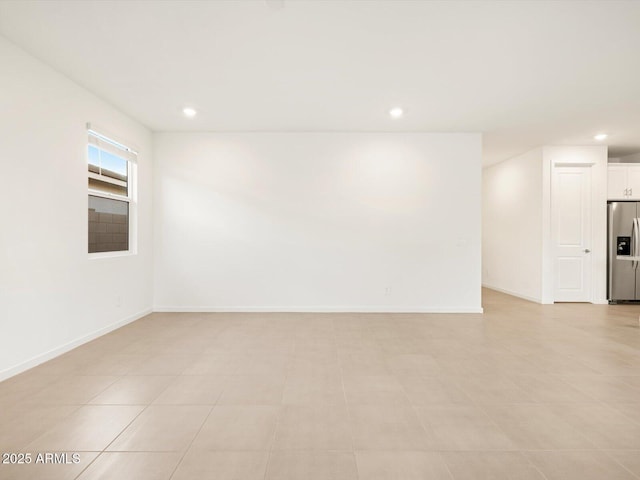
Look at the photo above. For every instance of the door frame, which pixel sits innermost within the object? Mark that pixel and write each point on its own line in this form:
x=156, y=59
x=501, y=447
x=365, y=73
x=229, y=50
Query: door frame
x=568, y=156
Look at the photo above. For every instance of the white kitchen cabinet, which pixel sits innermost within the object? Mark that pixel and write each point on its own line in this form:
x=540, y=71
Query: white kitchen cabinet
x=623, y=181
x=633, y=181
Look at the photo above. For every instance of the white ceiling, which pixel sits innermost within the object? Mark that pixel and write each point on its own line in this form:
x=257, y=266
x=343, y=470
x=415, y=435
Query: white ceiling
x=523, y=73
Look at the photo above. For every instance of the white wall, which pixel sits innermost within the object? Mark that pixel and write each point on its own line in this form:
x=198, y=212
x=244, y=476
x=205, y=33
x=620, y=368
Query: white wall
x=512, y=219
x=52, y=296
x=633, y=158
x=317, y=222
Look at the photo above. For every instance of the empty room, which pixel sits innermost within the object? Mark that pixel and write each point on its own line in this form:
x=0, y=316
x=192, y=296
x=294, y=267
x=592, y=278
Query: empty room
x=319, y=239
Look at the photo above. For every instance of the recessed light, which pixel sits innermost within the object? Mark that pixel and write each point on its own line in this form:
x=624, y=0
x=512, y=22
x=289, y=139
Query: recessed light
x=396, y=112
x=189, y=112
x=600, y=137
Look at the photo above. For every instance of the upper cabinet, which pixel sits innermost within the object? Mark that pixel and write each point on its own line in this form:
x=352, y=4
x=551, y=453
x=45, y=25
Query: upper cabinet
x=623, y=181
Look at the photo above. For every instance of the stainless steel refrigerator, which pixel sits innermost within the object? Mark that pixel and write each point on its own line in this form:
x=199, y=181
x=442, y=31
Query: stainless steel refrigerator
x=623, y=239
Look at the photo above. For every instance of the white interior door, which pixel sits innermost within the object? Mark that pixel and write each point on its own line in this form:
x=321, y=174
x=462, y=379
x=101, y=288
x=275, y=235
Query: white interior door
x=571, y=210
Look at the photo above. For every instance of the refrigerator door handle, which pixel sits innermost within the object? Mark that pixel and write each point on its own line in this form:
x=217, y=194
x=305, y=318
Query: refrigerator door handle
x=612, y=251
x=633, y=242
x=636, y=240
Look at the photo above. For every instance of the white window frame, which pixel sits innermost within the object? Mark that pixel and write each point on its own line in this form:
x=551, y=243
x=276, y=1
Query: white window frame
x=131, y=198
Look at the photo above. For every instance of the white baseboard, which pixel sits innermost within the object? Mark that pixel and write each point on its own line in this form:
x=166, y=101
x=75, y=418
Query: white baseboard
x=512, y=293
x=55, y=352
x=315, y=309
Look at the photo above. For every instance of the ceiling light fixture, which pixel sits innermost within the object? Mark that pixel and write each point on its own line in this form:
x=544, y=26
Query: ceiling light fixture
x=396, y=112
x=189, y=112
x=600, y=137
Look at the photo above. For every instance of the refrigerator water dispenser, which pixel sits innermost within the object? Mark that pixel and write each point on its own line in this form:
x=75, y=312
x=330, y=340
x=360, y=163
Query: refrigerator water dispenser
x=624, y=246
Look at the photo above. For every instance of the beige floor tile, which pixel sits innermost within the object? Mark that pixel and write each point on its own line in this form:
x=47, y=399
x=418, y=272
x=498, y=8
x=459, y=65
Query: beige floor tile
x=613, y=436
x=248, y=427
x=252, y=390
x=519, y=413
x=26, y=423
x=453, y=414
x=163, y=364
x=90, y=428
x=133, y=390
x=559, y=364
x=604, y=426
x=471, y=365
x=313, y=390
x=311, y=465
x=213, y=364
x=490, y=465
x=60, y=466
x=492, y=389
x=630, y=410
x=629, y=459
x=543, y=435
x=560, y=381
x=634, y=378
x=470, y=437
x=549, y=389
x=462, y=427
x=403, y=465
x=13, y=390
x=374, y=390
x=355, y=363
x=316, y=347
x=133, y=465
x=413, y=364
x=66, y=364
x=403, y=346
x=222, y=466
x=317, y=427
x=313, y=366
x=192, y=390
x=564, y=426
x=430, y=390
x=267, y=364
x=387, y=428
x=579, y=465
x=111, y=364
x=583, y=414
x=71, y=390
x=162, y=428
x=604, y=388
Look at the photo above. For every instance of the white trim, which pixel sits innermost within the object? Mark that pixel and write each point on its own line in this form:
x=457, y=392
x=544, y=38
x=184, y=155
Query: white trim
x=318, y=309
x=115, y=254
x=55, y=352
x=110, y=196
x=546, y=240
x=574, y=164
x=111, y=143
x=512, y=293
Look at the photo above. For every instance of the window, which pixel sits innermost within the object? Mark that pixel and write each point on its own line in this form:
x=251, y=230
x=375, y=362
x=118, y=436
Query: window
x=111, y=172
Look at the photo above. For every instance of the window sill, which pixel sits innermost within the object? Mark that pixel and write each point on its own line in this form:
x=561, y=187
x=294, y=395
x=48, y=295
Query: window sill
x=99, y=255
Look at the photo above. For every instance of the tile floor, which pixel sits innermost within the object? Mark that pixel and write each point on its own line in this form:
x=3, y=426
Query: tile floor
x=524, y=391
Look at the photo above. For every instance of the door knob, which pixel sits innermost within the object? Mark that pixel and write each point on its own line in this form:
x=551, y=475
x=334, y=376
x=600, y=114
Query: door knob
x=586, y=250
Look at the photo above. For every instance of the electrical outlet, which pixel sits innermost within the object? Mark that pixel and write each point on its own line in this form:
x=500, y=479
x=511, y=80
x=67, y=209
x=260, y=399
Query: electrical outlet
x=387, y=291
x=118, y=301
